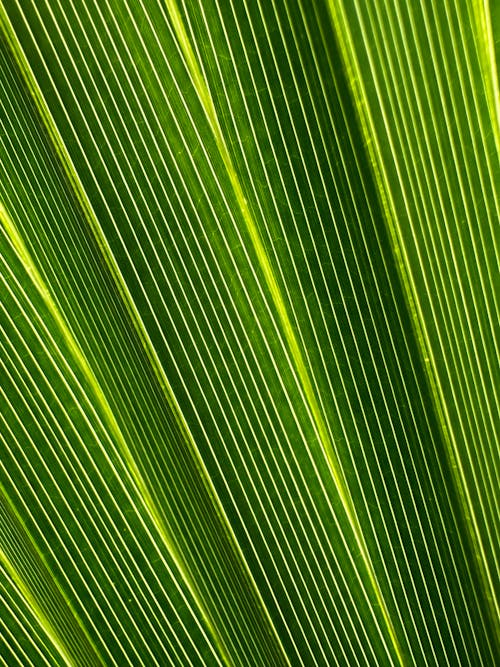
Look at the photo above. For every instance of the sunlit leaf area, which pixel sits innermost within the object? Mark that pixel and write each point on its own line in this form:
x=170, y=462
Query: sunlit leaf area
x=249, y=333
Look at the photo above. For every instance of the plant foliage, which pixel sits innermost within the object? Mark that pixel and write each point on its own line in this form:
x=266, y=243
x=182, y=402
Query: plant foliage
x=249, y=332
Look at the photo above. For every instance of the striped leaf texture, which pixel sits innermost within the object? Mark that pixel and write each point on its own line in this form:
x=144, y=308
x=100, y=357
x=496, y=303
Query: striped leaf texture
x=249, y=333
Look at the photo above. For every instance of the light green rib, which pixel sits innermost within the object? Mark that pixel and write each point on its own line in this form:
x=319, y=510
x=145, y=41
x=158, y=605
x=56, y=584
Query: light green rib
x=280, y=305
x=436, y=391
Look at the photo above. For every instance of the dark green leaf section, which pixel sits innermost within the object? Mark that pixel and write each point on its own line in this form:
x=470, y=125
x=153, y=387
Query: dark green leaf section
x=64, y=476
x=118, y=87
x=61, y=464
x=22, y=639
x=21, y=558
x=420, y=66
x=280, y=93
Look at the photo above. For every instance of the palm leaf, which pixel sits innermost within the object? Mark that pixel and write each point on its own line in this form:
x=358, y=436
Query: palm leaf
x=249, y=333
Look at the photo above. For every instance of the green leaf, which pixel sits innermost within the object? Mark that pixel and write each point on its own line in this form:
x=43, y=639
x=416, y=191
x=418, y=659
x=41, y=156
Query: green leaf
x=440, y=172
x=249, y=333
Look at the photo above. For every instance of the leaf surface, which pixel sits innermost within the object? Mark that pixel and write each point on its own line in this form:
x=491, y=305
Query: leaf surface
x=249, y=333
